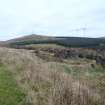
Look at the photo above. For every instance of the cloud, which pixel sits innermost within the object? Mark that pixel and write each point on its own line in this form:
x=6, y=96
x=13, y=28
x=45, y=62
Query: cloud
x=52, y=17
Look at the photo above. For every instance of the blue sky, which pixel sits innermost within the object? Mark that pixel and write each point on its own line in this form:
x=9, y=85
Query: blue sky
x=52, y=17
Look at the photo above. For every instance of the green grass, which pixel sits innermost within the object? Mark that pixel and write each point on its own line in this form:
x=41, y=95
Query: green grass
x=45, y=46
x=71, y=71
x=10, y=93
x=91, y=72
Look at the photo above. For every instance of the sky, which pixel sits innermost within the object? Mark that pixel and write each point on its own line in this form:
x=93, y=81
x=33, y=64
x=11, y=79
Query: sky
x=81, y=18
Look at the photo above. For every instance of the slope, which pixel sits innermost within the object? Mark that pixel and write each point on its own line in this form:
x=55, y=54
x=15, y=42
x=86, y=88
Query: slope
x=10, y=93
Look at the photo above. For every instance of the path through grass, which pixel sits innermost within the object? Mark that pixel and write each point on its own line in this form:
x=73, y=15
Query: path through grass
x=10, y=93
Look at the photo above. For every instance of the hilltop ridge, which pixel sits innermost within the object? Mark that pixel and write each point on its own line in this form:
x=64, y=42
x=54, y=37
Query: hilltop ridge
x=64, y=41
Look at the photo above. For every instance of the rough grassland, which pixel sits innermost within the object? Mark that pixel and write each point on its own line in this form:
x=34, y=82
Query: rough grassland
x=49, y=83
x=10, y=94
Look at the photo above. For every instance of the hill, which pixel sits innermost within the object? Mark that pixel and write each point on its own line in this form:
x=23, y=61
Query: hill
x=64, y=41
x=52, y=72
x=28, y=80
x=29, y=38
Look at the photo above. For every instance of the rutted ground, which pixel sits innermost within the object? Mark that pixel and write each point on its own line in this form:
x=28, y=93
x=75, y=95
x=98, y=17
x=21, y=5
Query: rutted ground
x=55, y=83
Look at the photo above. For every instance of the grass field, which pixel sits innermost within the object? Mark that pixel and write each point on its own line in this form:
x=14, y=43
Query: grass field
x=10, y=93
x=72, y=82
x=45, y=46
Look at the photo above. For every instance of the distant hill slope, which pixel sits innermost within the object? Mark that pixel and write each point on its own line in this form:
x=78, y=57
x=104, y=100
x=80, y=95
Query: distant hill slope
x=2, y=43
x=29, y=38
x=65, y=41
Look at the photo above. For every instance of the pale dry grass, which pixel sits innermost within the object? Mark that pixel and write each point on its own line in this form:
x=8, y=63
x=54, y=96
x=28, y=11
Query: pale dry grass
x=45, y=83
x=43, y=46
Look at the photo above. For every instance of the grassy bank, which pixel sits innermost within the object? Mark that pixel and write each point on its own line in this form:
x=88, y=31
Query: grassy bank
x=10, y=93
